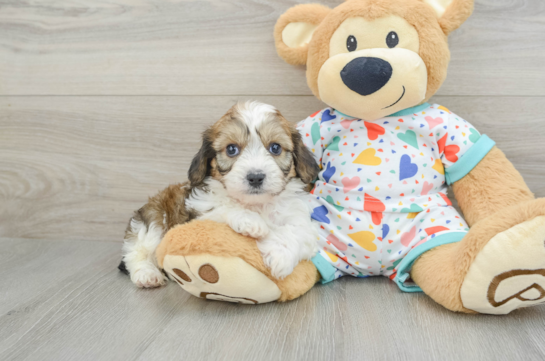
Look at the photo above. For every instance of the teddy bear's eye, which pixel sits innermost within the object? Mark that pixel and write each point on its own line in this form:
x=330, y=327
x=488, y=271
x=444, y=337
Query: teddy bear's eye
x=351, y=43
x=392, y=39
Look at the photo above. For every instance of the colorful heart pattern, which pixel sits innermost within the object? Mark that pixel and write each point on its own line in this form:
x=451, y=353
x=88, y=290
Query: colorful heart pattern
x=350, y=183
x=354, y=246
x=426, y=188
x=320, y=214
x=329, y=172
x=382, y=188
x=407, y=237
x=315, y=132
x=334, y=145
x=409, y=137
x=364, y=239
x=346, y=123
x=451, y=152
x=406, y=168
x=433, y=122
x=367, y=157
x=336, y=243
x=329, y=199
x=373, y=204
x=374, y=130
x=414, y=208
x=474, y=135
x=438, y=166
x=328, y=115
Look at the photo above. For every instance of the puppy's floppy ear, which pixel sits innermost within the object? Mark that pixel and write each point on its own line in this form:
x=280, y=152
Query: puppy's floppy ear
x=293, y=31
x=305, y=165
x=200, y=165
x=451, y=13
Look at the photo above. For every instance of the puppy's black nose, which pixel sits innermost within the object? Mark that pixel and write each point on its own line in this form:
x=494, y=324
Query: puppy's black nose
x=365, y=75
x=255, y=179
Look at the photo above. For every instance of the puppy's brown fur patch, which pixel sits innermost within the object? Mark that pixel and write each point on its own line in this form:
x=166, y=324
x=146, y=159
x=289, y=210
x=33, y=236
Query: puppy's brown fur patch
x=278, y=130
x=228, y=130
x=166, y=209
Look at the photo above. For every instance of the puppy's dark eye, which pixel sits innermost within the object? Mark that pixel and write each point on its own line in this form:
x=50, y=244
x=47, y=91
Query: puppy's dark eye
x=351, y=43
x=232, y=150
x=275, y=149
x=392, y=39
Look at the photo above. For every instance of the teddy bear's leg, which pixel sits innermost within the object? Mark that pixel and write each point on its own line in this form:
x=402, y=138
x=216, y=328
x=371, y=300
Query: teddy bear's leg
x=500, y=264
x=210, y=260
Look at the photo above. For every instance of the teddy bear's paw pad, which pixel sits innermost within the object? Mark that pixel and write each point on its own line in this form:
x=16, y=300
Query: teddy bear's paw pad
x=228, y=279
x=509, y=272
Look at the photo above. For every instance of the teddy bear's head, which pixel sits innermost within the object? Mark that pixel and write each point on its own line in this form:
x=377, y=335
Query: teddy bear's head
x=372, y=58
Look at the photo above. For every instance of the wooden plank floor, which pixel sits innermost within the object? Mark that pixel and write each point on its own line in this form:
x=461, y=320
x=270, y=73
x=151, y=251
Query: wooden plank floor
x=102, y=104
x=63, y=300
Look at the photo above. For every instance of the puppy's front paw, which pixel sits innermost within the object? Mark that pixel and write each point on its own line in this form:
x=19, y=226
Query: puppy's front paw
x=148, y=277
x=280, y=262
x=251, y=226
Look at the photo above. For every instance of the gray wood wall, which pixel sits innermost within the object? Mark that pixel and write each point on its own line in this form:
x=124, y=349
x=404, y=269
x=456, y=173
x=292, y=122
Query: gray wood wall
x=102, y=103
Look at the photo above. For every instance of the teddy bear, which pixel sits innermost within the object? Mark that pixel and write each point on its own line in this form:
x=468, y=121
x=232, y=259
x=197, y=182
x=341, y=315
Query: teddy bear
x=387, y=158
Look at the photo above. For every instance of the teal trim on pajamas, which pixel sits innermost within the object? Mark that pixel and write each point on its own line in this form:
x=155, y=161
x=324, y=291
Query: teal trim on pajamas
x=469, y=160
x=412, y=110
x=405, y=266
x=327, y=271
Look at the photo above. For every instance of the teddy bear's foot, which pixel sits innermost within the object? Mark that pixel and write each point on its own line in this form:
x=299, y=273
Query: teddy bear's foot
x=221, y=278
x=509, y=272
x=211, y=261
x=497, y=267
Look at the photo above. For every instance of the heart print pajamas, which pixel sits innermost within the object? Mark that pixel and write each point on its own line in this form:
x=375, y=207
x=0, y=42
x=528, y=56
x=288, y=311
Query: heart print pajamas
x=380, y=199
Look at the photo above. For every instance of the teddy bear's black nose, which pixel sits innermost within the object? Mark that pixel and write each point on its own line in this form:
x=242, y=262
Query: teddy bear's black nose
x=366, y=75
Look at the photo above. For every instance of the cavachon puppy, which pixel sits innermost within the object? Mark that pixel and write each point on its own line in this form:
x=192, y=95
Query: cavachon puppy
x=251, y=173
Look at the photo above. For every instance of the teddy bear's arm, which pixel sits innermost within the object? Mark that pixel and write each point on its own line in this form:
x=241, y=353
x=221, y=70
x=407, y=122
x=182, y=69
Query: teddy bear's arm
x=493, y=184
x=484, y=181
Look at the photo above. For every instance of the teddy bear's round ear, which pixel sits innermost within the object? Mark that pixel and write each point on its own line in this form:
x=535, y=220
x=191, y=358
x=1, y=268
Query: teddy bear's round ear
x=293, y=31
x=451, y=13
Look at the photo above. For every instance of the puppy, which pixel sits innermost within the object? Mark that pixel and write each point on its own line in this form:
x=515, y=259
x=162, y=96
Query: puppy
x=251, y=173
